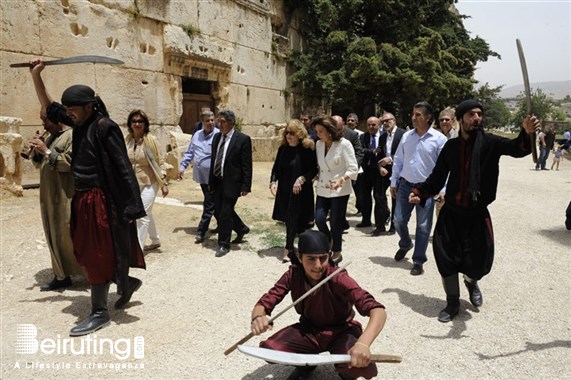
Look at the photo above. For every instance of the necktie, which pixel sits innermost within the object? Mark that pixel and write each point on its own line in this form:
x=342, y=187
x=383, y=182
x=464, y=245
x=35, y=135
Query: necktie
x=373, y=147
x=219, y=155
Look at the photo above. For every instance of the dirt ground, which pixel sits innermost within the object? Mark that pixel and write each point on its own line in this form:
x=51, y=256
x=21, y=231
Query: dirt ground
x=192, y=306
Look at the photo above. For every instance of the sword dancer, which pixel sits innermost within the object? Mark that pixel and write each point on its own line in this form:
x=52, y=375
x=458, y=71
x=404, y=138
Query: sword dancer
x=326, y=317
x=105, y=205
x=463, y=239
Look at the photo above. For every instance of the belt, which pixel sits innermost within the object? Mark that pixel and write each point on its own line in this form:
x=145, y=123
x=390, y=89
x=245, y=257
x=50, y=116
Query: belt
x=407, y=182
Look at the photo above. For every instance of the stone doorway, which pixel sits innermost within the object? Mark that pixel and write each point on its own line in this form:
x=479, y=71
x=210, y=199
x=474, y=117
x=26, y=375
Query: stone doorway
x=196, y=94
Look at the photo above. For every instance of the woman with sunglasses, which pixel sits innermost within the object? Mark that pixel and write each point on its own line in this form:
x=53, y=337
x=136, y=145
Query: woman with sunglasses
x=291, y=183
x=143, y=152
x=447, y=123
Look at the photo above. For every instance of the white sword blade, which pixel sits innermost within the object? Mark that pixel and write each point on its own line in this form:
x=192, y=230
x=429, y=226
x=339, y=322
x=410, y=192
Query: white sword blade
x=290, y=358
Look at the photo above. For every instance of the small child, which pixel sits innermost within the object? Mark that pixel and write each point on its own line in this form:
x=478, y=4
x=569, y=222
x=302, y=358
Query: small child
x=557, y=158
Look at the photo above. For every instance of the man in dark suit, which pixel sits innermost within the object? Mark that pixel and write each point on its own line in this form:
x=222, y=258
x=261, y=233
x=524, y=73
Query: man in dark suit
x=354, y=139
x=230, y=178
x=372, y=178
x=389, y=142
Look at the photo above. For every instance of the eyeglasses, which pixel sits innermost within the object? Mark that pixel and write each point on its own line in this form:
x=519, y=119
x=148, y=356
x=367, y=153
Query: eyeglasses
x=137, y=121
x=444, y=119
x=387, y=120
x=291, y=133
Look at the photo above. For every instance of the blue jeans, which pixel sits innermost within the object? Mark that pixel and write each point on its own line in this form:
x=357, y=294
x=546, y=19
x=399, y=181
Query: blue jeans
x=423, y=221
x=542, y=159
x=338, y=208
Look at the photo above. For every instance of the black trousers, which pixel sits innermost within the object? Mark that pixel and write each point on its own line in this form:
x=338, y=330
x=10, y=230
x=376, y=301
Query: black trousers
x=207, y=210
x=385, y=212
x=372, y=184
x=227, y=218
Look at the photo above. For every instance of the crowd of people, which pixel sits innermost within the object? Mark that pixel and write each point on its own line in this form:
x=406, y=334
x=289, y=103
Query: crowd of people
x=105, y=185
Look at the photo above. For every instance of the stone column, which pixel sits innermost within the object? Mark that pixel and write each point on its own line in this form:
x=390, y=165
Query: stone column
x=10, y=160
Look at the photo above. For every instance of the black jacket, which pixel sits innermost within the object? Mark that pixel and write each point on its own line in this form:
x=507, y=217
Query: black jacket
x=237, y=169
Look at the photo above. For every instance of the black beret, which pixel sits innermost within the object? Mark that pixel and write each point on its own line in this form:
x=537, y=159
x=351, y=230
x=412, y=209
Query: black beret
x=466, y=106
x=313, y=242
x=78, y=95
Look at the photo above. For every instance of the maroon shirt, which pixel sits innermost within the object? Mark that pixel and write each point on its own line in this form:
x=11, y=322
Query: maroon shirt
x=332, y=304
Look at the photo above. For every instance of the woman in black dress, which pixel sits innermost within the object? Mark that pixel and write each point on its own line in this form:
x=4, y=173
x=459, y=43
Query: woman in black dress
x=291, y=183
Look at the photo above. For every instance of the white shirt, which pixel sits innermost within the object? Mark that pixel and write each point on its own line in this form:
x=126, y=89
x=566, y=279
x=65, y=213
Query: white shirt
x=416, y=155
x=389, y=145
x=226, y=143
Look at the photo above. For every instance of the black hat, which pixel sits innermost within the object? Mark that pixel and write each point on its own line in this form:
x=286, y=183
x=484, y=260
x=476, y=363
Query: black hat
x=78, y=95
x=313, y=242
x=466, y=106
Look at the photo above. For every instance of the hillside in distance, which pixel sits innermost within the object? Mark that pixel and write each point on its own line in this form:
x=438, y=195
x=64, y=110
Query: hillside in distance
x=555, y=89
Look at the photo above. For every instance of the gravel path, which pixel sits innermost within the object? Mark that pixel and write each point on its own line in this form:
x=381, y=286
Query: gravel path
x=193, y=306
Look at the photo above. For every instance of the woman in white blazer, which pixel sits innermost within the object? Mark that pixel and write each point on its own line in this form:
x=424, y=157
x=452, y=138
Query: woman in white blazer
x=337, y=167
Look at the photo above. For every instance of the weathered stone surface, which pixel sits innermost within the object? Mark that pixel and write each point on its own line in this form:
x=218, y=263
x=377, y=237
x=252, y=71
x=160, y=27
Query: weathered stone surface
x=200, y=46
x=16, y=34
x=177, y=145
x=229, y=43
x=178, y=139
x=176, y=12
x=265, y=149
x=10, y=124
x=238, y=23
x=263, y=106
x=158, y=95
x=10, y=149
x=259, y=68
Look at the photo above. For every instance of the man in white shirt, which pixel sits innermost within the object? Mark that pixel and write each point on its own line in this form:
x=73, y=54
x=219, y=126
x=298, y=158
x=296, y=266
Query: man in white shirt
x=413, y=162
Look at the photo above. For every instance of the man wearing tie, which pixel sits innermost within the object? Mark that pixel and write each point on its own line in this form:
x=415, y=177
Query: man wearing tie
x=389, y=142
x=230, y=178
x=371, y=177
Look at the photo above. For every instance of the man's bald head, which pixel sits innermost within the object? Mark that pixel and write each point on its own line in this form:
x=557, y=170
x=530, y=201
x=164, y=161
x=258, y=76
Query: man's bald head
x=373, y=124
x=339, y=120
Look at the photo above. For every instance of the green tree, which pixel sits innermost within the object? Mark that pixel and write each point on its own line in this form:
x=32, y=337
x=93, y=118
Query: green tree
x=497, y=114
x=541, y=106
x=389, y=53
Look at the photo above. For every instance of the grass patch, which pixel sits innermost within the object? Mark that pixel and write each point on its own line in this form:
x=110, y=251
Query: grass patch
x=273, y=239
x=190, y=30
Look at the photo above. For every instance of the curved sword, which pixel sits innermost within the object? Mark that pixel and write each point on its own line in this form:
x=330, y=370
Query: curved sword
x=77, y=59
x=527, y=95
x=290, y=358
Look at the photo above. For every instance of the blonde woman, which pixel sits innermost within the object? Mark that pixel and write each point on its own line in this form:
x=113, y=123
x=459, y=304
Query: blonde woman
x=290, y=182
x=448, y=126
x=144, y=155
x=447, y=123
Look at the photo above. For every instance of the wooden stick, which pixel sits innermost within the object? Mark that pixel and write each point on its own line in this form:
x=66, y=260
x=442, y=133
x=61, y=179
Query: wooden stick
x=382, y=358
x=307, y=294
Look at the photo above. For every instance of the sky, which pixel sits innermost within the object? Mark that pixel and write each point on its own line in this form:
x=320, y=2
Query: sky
x=543, y=27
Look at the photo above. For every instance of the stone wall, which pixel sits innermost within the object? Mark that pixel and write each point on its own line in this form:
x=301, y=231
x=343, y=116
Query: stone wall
x=231, y=43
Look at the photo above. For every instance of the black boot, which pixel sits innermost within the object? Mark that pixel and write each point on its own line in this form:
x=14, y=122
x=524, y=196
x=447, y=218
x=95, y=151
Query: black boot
x=134, y=285
x=99, y=317
x=474, y=291
x=452, y=288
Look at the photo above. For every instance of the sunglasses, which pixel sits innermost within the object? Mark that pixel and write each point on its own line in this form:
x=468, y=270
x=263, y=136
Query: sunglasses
x=444, y=119
x=137, y=121
x=291, y=133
